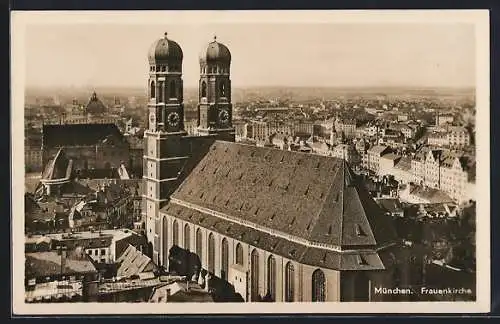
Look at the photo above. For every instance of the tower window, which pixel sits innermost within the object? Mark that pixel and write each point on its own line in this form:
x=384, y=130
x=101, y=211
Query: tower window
x=160, y=93
x=163, y=68
x=173, y=89
x=222, y=88
x=203, y=89
x=153, y=89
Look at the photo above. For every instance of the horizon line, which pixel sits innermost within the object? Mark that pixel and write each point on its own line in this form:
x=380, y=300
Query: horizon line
x=409, y=87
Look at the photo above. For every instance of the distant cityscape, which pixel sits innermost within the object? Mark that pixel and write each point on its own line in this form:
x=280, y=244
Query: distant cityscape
x=151, y=197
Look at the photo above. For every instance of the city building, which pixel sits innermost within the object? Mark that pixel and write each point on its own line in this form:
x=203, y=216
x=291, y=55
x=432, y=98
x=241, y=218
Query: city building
x=439, y=139
x=346, y=126
x=89, y=146
x=442, y=119
x=53, y=276
x=104, y=246
x=33, y=158
x=347, y=152
x=387, y=162
x=457, y=137
x=373, y=156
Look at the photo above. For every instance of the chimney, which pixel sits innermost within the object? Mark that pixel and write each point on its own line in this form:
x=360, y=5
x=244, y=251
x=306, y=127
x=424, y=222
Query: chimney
x=167, y=294
x=63, y=258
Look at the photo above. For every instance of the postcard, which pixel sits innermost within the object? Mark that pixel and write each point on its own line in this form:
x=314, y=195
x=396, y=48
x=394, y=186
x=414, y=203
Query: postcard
x=196, y=162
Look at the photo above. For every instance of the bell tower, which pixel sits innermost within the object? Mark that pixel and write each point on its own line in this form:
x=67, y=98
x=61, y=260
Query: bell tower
x=215, y=109
x=163, y=151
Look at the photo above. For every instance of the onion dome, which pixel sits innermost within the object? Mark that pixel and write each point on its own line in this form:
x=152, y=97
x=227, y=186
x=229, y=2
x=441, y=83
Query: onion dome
x=164, y=49
x=215, y=52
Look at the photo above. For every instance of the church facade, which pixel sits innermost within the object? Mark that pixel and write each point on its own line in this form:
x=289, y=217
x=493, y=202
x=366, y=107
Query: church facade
x=281, y=225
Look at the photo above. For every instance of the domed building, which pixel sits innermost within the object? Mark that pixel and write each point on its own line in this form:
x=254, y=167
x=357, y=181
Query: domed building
x=95, y=106
x=275, y=225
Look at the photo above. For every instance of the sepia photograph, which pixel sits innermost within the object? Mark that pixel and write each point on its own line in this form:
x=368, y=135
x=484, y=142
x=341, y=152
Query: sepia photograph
x=319, y=161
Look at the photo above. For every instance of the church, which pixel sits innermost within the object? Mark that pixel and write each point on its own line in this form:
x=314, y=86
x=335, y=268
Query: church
x=292, y=226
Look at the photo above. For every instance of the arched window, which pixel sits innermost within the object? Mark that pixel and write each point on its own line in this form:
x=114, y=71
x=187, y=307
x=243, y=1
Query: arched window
x=160, y=91
x=175, y=233
x=203, y=89
x=211, y=253
x=165, y=240
x=173, y=89
x=152, y=88
x=224, y=259
x=318, y=286
x=271, y=277
x=187, y=237
x=222, y=89
x=289, y=282
x=199, y=244
x=239, y=254
x=254, y=265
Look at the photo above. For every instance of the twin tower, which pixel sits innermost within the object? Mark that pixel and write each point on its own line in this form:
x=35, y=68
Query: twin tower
x=166, y=109
x=168, y=150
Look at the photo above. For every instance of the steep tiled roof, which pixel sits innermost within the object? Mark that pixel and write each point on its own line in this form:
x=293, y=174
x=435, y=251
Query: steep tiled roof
x=308, y=196
x=78, y=134
x=133, y=262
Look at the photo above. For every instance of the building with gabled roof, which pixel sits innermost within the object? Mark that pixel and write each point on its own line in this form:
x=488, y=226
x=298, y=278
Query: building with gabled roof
x=90, y=146
x=276, y=225
x=262, y=199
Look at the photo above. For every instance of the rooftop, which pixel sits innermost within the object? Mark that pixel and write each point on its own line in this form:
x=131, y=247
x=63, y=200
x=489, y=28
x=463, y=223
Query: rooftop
x=310, y=197
x=78, y=134
x=133, y=262
x=44, y=264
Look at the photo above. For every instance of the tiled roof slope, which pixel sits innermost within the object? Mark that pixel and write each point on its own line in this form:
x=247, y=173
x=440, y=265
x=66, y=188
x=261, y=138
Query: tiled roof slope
x=78, y=134
x=133, y=262
x=311, y=197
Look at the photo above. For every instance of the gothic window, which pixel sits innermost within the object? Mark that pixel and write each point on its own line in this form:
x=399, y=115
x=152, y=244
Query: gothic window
x=271, y=277
x=175, y=233
x=152, y=88
x=222, y=89
x=160, y=93
x=318, y=286
x=211, y=253
x=187, y=236
x=254, y=265
x=199, y=244
x=173, y=90
x=224, y=259
x=165, y=240
x=203, y=89
x=289, y=282
x=239, y=254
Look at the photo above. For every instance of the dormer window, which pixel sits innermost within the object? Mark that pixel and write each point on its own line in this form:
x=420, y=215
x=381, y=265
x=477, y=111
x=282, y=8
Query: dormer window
x=359, y=231
x=361, y=260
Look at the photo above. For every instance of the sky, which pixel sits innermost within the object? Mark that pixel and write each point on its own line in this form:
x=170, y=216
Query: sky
x=263, y=54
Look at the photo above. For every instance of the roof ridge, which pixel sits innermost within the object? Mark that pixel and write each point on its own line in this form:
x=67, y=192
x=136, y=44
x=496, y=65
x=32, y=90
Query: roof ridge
x=341, y=193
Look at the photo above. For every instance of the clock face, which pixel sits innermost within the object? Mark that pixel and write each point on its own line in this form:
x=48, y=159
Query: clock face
x=223, y=116
x=173, y=119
